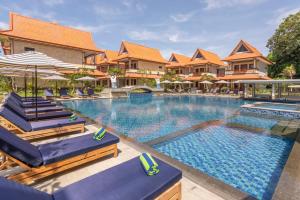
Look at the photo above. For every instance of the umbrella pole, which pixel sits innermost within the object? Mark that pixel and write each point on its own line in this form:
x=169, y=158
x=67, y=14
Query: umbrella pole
x=32, y=84
x=25, y=85
x=36, y=93
x=56, y=88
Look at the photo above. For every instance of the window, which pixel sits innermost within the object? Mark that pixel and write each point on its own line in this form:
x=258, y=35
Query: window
x=236, y=67
x=199, y=55
x=197, y=71
x=220, y=72
x=242, y=49
x=160, y=67
x=28, y=49
x=173, y=59
x=133, y=65
x=244, y=67
x=251, y=66
x=202, y=69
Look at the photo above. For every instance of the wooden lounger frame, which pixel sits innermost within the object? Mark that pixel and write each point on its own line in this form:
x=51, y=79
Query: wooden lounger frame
x=33, y=174
x=40, y=133
x=173, y=193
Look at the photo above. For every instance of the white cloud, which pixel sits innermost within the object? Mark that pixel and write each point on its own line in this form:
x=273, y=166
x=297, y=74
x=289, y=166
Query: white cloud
x=107, y=11
x=182, y=17
x=214, y=4
x=104, y=28
x=281, y=14
x=136, y=4
x=3, y=26
x=145, y=35
x=166, y=53
x=183, y=37
x=166, y=36
x=53, y=2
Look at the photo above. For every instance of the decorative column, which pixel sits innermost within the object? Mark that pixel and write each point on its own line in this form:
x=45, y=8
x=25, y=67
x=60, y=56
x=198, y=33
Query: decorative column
x=273, y=91
x=246, y=90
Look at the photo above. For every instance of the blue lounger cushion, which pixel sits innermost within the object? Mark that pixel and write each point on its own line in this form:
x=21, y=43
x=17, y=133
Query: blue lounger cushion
x=48, y=93
x=56, y=151
x=125, y=181
x=36, y=125
x=10, y=190
x=44, y=154
x=29, y=117
x=11, y=101
x=29, y=101
x=53, y=123
x=32, y=104
x=25, y=98
x=19, y=149
x=80, y=92
x=44, y=109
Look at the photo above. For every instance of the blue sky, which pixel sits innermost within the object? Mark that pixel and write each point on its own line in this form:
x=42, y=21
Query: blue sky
x=172, y=26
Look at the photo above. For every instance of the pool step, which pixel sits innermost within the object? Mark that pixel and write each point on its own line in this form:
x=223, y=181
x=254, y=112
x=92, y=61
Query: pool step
x=184, y=132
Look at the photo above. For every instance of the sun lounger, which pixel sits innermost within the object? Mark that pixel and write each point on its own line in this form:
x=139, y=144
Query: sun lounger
x=32, y=104
x=48, y=93
x=25, y=99
x=63, y=93
x=80, y=93
x=33, y=110
x=91, y=93
x=32, y=116
x=38, y=129
x=122, y=182
x=52, y=158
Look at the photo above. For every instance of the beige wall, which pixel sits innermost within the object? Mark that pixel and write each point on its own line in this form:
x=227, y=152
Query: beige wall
x=261, y=66
x=63, y=54
x=151, y=66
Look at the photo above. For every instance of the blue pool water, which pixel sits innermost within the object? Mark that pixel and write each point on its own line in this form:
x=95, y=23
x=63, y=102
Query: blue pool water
x=249, y=161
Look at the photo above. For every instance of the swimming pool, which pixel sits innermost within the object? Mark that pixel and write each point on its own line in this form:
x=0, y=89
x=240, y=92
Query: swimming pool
x=236, y=149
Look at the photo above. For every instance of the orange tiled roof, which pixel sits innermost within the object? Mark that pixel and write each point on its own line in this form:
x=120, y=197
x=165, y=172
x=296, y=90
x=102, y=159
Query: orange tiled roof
x=253, y=53
x=108, y=57
x=181, y=61
x=208, y=57
x=141, y=52
x=40, y=31
x=244, y=77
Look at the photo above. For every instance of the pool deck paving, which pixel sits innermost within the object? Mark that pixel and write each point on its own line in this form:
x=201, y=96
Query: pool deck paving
x=190, y=189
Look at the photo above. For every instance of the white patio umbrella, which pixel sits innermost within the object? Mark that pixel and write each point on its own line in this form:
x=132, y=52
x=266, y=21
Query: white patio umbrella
x=86, y=78
x=55, y=78
x=236, y=81
x=166, y=81
x=177, y=82
x=34, y=60
x=187, y=82
x=206, y=82
x=222, y=82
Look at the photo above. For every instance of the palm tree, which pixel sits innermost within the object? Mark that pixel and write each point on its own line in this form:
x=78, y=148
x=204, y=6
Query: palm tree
x=289, y=71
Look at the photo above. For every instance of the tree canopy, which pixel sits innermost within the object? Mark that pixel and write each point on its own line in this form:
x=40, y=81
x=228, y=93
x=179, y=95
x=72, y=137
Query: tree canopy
x=284, y=46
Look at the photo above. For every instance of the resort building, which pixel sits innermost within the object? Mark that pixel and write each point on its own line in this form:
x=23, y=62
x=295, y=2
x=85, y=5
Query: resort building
x=179, y=64
x=203, y=63
x=139, y=63
x=245, y=62
x=64, y=43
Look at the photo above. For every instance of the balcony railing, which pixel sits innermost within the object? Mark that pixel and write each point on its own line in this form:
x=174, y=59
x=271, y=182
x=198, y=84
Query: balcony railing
x=249, y=71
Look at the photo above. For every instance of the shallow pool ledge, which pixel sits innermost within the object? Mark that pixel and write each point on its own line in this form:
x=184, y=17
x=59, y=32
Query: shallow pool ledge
x=288, y=186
